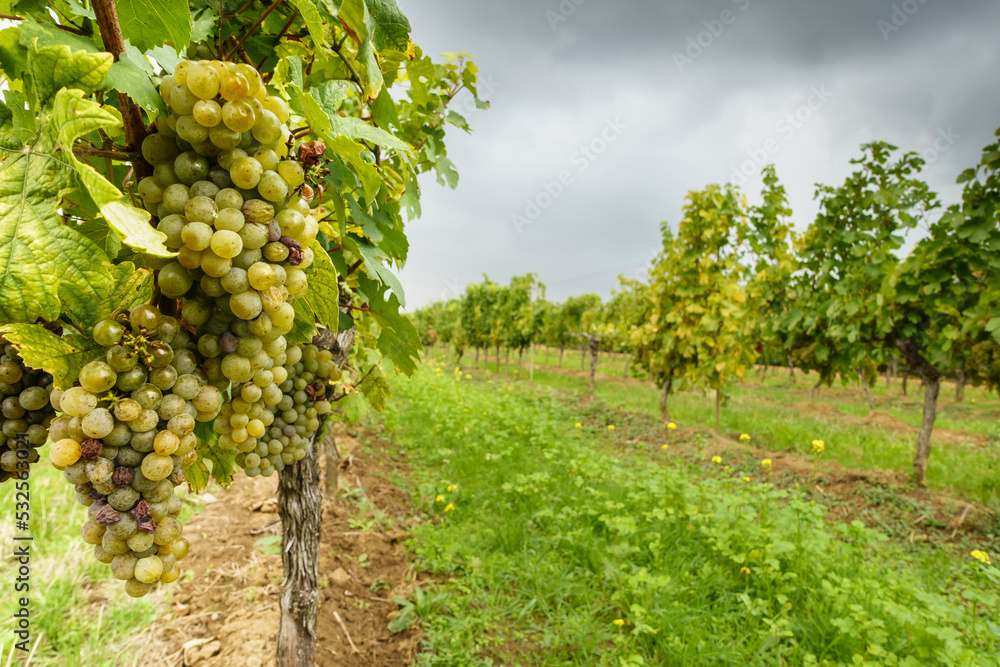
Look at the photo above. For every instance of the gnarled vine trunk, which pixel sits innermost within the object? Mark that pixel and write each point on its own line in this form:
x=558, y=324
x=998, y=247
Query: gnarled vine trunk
x=664, y=410
x=931, y=378
x=959, y=384
x=561, y=350
x=868, y=393
x=628, y=362
x=300, y=508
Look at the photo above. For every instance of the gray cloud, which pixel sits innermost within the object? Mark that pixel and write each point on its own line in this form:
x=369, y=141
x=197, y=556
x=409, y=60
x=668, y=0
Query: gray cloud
x=931, y=73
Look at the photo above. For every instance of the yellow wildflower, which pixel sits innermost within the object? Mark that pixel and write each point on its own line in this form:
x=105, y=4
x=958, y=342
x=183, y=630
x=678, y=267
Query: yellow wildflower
x=449, y=507
x=671, y=426
x=746, y=479
x=744, y=570
x=744, y=437
x=619, y=622
x=766, y=463
x=611, y=427
x=439, y=499
x=510, y=388
x=818, y=446
x=716, y=459
x=468, y=377
x=727, y=468
x=981, y=556
x=579, y=425
x=451, y=487
x=665, y=447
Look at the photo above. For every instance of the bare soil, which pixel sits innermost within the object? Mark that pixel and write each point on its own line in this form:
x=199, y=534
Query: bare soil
x=225, y=609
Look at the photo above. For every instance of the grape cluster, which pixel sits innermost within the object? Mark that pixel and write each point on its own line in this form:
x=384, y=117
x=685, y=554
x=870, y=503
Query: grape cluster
x=283, y=435
x=236, y=209
x=25, y=412
x=125, y=433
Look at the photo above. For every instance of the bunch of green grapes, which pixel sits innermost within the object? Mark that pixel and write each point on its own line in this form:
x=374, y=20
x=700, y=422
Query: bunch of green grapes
x=25, y=412
x=125, y=434
x=236, y=209
x=305, y=382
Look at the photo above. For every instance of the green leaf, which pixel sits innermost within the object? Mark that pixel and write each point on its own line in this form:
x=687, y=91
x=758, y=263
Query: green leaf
x=304, y=324
x=361, y=24
x=323, y=296
x=76, y=116
x=126, y=77
x=60, y=356
x=165, y=56
x=355, y=128
x=352, y=152
x=212, y=460
x=313, y=19
x=38, y=252
x=398, y=340
x=392, y=29
x=98, y=231
x=128, y=287
x=203, y=26
x=373, y=257
x=384, y=110
x=150, y=23
x=55, y=67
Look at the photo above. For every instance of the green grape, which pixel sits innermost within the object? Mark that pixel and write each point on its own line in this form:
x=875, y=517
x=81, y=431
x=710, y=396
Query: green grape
x=268, y=159
x=246, y=172
x=226, y=244
x=190, y=167
x=230, y=219
x=292, y=172
x=157, y=149
x=188, y=258
x=225, y=139
x=175, y=280
x=234, y=87
x=267, y=129
x=272, y=187
x=238, y=116
x=277, y=106
x=164, y=175
x=182, y=100
x=204, y=189
x=203, y=81
x=292, y=222
x=254, y=235
x=190, y=130
x=229, y=198
x=276, y=252
x=220, y=177
x=197, y=235
x=261, y=276
x=150, y=191
x=235, y=282
x=175, y=198
x=200, y=210
x=207, y=113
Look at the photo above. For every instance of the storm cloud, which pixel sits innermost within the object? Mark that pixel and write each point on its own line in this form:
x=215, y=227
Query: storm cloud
x=605, y=114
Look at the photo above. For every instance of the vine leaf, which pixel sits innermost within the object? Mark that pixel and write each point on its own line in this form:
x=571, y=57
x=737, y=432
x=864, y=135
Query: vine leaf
x=61, y=356
x=398, y=340
x=323, y=297
x=150, y=23
x=304, y=324
x=38, y=252
x=212, y=461
x=128, y=287
x=76, y=116
x=314, y=21
x=57, y=66
x=362, y=26
x=125, y=76
x=392, y=28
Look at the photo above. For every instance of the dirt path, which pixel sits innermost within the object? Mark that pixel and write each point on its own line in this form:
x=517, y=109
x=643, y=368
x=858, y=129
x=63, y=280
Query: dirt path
x=225, y=613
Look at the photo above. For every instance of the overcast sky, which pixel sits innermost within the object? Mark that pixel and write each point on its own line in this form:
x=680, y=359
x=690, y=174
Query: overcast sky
x=633, y=104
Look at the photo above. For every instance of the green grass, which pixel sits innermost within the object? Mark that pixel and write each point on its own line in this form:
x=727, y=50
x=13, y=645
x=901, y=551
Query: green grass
x=778, y=417
x=79, y=610
x=563, y=548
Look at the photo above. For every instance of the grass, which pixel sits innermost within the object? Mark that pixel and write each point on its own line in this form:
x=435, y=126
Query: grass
x=79, y=613
x=780, y=417
x=557, y=545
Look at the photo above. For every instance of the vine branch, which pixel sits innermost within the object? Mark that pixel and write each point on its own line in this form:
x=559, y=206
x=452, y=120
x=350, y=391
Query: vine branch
x=111, y=35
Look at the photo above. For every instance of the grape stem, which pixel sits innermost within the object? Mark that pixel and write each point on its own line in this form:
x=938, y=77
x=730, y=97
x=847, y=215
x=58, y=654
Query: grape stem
x=121, y=156
x=256, y=25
